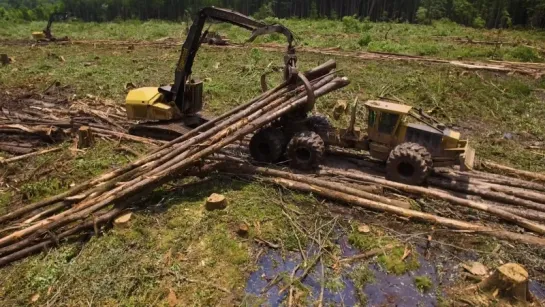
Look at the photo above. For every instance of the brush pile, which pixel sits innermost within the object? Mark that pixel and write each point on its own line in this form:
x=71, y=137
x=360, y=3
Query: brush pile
x=29, y=121
x=33, y=227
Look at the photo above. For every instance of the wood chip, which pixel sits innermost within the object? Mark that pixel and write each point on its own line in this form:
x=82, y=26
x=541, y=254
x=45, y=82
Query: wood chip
x=122, y=220
x=475, y=268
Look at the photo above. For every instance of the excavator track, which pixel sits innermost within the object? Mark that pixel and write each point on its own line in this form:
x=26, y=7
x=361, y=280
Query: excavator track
x=167, y=130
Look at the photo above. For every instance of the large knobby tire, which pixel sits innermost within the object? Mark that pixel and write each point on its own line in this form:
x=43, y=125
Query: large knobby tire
x=305, y=150
x=319, y=124
x=409, y=163
x=267, y=145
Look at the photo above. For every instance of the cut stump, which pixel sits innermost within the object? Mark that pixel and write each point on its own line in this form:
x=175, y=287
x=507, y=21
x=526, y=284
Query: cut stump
x=122, y=220
x=509, y=281
x=4, y=59
x=85, y=137
x=216, y=202
x=243, y=230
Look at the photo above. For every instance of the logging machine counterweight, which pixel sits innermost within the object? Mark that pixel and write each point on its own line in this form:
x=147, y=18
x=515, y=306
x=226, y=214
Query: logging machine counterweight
x=170, y=111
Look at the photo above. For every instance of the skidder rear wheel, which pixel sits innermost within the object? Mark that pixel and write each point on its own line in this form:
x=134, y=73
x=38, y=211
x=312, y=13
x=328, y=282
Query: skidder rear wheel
x=305, y=150
x=267, y=145
x=319, y=124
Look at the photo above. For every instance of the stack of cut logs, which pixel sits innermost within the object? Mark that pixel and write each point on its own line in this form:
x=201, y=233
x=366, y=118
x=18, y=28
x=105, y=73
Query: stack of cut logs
x=491, y=197
x=31, y=121
x=33, y=227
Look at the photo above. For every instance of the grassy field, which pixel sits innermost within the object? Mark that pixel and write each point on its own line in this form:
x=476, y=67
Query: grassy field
x=437, y=40
x=171, y=239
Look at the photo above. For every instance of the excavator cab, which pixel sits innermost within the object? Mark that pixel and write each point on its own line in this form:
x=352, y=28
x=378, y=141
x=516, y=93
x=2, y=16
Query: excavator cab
x=182, y=101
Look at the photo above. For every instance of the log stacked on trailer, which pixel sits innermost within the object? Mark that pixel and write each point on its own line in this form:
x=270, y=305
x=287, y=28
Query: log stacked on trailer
x=33, y=227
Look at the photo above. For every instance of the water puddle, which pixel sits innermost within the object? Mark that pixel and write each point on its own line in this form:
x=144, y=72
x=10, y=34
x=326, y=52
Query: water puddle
x=385, y=290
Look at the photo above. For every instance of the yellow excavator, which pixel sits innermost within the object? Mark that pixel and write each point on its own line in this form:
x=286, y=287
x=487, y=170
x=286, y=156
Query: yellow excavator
x=45, y=35
x=167, y=112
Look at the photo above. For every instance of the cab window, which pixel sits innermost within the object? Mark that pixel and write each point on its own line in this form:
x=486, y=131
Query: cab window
x=372, y=118
x=388, y=122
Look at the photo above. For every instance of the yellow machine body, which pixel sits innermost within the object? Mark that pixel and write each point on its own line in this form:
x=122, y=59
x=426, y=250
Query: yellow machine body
x=389, y=125
x=147, y=103
x=38, y=35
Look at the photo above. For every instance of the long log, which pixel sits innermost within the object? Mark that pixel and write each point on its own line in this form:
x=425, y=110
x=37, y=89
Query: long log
x=26, y=247
x=160, y=175
x=412, y=214
x=512, y=171
x=527, y=224
x=249, y=169
x=32, y=154
x=526, y=213
x=485, y=193
x=158, y=153
x=495, y=178
x=481, y=184
x=40, y=246
x=524, y=194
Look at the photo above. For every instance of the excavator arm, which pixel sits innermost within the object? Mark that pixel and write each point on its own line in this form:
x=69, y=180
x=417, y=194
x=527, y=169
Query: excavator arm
x=53, y=17
x=193, y=42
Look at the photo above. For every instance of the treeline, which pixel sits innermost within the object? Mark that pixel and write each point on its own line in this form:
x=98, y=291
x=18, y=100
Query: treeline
x=477, y=13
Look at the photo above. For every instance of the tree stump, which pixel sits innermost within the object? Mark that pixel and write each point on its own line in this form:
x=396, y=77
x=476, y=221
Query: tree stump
x=122, y=220
x=243, y=230
x=85, y=137
x=216, y=202
x=4, y=59
x=509, y=281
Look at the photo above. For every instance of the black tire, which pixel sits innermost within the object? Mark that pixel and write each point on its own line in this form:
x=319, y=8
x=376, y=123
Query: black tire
x=305, y=150
x=409, y=163
x=319, y=124
x=268, y=145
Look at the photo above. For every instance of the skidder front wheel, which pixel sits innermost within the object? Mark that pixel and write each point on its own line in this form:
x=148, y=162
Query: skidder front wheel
x=409, y=163
x=267, y=145
x=305, y=150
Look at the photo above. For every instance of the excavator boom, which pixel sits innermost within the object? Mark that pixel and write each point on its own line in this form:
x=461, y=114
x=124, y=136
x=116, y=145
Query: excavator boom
x=45, y=34
x=172, y=110
x=193, y=42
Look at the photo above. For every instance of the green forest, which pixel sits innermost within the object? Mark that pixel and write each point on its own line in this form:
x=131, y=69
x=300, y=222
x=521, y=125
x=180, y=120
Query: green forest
x=474, y=13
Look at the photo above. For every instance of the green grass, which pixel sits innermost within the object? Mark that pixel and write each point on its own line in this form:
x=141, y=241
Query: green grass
x=361, y=276
x=423, y=283
x=394, y=263
x=367, y=241
x=431, y=40
x=139, y=263
x=391, y=260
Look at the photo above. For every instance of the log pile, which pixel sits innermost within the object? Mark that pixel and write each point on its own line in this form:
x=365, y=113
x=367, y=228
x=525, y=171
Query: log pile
x=29, y=121
x=515, y=201
x=45, y=223
x=334, y=184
